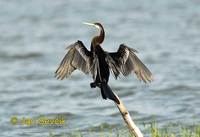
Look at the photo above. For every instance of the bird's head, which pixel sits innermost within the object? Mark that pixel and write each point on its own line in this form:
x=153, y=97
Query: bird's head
x=97, y=39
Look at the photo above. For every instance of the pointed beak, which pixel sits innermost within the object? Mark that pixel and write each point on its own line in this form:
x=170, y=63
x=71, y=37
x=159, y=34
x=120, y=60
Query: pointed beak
x=90, y=24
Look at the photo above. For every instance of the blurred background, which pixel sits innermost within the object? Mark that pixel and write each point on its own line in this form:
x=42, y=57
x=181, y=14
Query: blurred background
x=33, y=38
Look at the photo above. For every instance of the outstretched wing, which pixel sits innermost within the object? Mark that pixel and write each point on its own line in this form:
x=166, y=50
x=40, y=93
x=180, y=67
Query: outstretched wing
x=125, y=61
x=77, y=57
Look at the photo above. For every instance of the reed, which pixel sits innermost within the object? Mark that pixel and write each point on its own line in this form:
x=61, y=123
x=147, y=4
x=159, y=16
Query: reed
x=153, y=131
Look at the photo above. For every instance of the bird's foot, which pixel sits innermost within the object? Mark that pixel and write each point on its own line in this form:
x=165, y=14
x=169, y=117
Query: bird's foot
x=93, y=85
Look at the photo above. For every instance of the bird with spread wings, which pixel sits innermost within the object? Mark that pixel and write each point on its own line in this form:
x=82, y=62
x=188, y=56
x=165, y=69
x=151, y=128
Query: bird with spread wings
x=100, y=63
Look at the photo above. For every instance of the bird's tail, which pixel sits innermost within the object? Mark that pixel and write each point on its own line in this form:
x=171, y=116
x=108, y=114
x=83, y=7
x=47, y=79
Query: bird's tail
x=106, y=92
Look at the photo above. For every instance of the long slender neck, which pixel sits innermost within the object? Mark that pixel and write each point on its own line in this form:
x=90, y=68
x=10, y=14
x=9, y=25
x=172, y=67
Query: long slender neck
x=97, y=40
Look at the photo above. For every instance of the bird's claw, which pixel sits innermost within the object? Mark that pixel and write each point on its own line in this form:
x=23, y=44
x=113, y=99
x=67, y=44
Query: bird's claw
x=94, y=85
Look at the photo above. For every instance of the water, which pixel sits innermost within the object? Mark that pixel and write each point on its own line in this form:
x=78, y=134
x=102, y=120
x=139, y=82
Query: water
x=33, y=38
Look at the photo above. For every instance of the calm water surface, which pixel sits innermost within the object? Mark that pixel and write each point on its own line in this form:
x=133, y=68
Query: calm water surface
x=33, y=37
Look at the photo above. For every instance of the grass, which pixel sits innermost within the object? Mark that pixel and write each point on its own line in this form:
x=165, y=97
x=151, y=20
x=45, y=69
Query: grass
x=193, y=131
x=152, y=131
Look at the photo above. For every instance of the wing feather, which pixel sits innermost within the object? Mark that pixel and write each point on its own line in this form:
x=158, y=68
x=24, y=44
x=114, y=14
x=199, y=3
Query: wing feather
x=77, y=57
x=125, y=61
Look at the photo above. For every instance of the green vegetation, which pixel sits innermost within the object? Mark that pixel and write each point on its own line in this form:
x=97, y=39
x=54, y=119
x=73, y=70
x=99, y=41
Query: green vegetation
x=106, y=130
x=193, y=131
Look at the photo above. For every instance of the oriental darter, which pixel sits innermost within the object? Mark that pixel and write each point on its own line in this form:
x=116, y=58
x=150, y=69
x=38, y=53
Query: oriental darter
x=99, y=63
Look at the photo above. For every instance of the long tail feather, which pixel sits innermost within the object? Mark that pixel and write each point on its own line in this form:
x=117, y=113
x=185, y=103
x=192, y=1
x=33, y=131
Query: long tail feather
x=106, y=92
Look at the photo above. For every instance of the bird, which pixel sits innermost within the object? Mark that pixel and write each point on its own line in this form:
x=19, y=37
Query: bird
x=100, y=63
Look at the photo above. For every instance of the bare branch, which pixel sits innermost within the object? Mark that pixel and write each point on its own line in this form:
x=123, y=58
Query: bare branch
x=134, y=130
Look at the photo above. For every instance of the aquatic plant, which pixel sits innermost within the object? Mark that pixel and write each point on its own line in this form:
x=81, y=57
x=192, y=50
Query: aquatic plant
x=154, y=131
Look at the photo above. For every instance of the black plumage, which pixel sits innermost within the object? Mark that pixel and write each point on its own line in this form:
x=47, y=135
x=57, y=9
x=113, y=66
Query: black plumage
x=99, y=63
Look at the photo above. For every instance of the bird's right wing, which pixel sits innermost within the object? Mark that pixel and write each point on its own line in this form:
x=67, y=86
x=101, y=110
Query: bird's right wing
x=77, y=57
x=125, y=61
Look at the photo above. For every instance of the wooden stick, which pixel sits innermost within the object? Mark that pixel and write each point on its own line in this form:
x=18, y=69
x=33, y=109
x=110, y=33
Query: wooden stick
x=134, y=130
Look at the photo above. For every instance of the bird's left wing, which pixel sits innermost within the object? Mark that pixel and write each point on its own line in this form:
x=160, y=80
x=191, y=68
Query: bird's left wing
x=77, y=57
x=125, y=61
